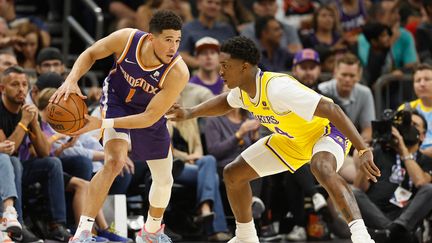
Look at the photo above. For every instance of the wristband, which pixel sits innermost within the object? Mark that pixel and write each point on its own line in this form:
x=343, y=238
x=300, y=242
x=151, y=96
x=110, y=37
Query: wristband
x=23, y=126
x=362, y=151
x=107, y=123
x=408, y=157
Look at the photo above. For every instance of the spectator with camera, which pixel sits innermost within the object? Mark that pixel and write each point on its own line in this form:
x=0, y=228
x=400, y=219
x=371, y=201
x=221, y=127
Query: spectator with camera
x=400, y=200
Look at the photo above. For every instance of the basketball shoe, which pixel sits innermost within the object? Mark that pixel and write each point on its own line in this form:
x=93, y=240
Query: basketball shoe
x=157, y=237
x=85, y=237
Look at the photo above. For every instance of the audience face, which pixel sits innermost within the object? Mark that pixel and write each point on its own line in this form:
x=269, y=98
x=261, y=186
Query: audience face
x=326, y=20
x=273, y=32
x=6, y=61
x=53, y=66
x=265, y=8
x=208, y=60
x=14, y=88
x=390, y=14
x=210, y=9
x=307, y=72
x=346, y=76
x=30, y=46
x=423, y=84
x=384, y=40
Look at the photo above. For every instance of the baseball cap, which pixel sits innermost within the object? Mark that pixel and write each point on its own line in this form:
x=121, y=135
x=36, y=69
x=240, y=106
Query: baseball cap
x=306, y=55
x=49, y=53
x=49, y=80
x=206, y=42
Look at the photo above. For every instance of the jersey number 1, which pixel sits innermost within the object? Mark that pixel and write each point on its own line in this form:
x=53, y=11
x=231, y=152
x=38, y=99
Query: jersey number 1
x=130, y=95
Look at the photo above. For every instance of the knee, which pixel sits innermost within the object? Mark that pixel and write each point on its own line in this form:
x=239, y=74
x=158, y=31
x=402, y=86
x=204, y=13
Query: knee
x=208, y=161
x=114, y=165
x=230, y=177
x=54, y=164
x=427, y=188
x=322, y=169
x=78, y=184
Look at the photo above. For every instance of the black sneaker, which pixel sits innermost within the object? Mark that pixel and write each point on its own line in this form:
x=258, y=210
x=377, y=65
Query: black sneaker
x=58, y=233
x=268, y=234
x=27, y=236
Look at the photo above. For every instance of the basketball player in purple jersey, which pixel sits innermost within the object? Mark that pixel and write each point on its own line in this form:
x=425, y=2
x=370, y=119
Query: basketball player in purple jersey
x=144, y=83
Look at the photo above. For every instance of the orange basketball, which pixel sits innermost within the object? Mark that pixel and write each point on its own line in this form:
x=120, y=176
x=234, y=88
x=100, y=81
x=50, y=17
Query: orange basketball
x=67, y=116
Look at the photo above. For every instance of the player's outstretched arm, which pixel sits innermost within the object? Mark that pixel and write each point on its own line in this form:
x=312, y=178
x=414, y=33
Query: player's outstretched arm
x=112, y=44
x=215, y=106
x=328, y=109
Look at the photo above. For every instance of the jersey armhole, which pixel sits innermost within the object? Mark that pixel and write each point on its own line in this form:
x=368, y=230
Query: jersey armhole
x=171, y=65
x=126, y=48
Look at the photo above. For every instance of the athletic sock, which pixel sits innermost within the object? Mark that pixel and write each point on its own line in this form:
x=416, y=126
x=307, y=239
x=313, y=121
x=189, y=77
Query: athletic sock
x=86, y=223
x=152, y=224
x=246, y=232
x=357, y=227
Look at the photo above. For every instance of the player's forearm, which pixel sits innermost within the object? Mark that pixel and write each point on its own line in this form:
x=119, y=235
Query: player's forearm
x=215, y=106
x=81, y=66
x=338, y=118
x=141, y=120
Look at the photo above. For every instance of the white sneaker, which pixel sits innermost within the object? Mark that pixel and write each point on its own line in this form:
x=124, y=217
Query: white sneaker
x=10, y=223
x=298, y=233
x=363, y=238
x=4, y=238
x=233, y=240
x=318, y=201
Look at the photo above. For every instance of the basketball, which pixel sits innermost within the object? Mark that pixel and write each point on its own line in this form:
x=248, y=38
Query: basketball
x=67, y=116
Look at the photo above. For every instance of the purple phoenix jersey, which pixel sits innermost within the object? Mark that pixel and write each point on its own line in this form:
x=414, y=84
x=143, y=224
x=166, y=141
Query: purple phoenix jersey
x=128, y=89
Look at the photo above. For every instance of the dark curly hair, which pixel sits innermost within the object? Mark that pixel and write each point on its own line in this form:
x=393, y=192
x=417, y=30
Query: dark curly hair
x=242, y=48
x=164, y=20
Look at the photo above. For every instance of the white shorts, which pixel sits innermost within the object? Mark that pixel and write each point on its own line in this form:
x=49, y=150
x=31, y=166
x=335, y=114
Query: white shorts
x=265, y=163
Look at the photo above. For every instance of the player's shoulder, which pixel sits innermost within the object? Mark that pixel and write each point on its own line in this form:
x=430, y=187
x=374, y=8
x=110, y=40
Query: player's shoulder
x=122, y=35
x=179, y=69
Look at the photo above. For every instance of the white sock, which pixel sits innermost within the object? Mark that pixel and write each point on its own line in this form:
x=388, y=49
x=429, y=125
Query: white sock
x=357, y=227
x=152, y=224
x=86, y=223
x=246, y=232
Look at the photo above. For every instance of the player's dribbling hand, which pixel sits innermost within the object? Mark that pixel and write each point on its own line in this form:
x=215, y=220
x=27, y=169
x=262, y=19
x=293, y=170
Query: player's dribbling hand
x=92, y=123
x=177, y=113
x=368, y=166
x=65, y=90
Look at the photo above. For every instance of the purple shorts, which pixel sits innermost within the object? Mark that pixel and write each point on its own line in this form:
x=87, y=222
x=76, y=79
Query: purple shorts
x=146, y=143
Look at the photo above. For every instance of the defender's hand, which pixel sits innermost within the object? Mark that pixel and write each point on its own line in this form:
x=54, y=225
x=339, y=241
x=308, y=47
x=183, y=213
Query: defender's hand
x=92, y=123
x=368, y=166
x=177, y=113
x=65, y=90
